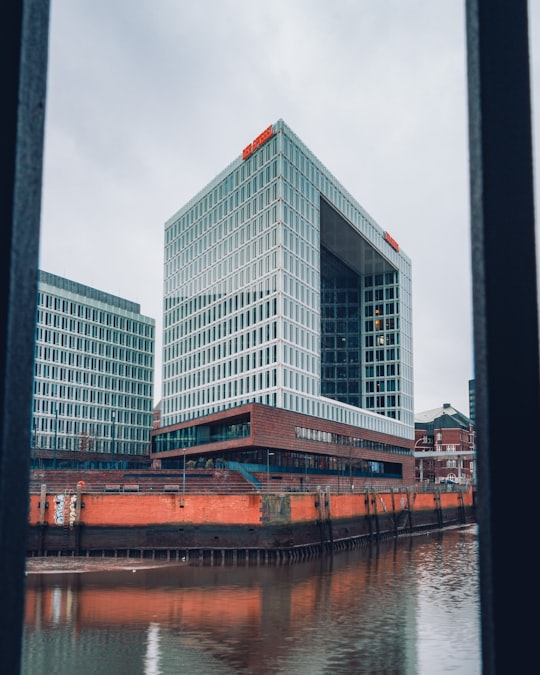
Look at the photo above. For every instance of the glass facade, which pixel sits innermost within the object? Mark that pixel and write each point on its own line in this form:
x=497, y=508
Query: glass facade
x=93, y=370
x=279, y=289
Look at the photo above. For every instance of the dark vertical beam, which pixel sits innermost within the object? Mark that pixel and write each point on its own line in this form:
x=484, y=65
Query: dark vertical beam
x=23, y=73
x=505, y=320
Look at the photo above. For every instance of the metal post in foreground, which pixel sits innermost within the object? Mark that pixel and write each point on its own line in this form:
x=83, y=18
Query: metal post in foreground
x=23, y=79
x=503, y=262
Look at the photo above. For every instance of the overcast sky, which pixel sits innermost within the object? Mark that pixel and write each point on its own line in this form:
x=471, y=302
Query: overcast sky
x=148, y=100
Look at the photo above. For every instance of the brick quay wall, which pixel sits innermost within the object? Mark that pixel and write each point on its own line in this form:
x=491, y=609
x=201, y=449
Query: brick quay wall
x=260, y=526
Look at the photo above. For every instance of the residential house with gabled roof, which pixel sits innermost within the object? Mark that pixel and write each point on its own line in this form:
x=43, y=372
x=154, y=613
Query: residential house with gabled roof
x=444, y=447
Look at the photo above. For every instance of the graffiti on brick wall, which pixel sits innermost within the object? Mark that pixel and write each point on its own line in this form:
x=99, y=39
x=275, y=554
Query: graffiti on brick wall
x=72, y=510
x=63, y=504
x=59, y=503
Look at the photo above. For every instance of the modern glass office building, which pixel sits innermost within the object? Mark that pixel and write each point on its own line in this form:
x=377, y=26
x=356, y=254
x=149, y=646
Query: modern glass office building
x=93, y=373
x=281, y=290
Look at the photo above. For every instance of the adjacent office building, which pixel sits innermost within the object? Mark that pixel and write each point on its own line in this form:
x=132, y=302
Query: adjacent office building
x=285, y=300
x=93, y=376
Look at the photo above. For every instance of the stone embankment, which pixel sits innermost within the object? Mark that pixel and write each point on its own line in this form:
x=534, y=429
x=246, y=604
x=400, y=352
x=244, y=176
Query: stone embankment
x=241, y=526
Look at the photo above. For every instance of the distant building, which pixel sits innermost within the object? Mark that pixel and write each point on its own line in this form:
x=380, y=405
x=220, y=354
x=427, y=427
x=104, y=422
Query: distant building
x=283, y=295
x=444, y=447
x=157, y=415
x=93, y=376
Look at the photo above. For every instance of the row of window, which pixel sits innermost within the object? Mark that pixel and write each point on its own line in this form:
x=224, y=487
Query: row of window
x=193, y=353
x=225, y=277
x=299, y=246
x=299, y=278
x=74, y=417
x=348, y=384
x=110, y=355
x=383, y=401
x=378, y=309
x=342, y=439
x=386, y=293
x=294, y=225
x=300, y=302
x=300, y=203
x=231, y=389
x=189, y=378
x=206, y=267
x=301, y=337
x=199, y=435
x=131, y=446
x=173, y=412
x=379, y=371
x=220, y=229
x=68, y=329
x=64, y=398
x=64, y=308
x=381, y=340
x=381, y=324
x=299, y=182
x=216, y=305
x=251, y=276
x=380, y=279
x=47, y=371
x=340, y=296
x=382, y=355
x=195, y=211
x=200, y=332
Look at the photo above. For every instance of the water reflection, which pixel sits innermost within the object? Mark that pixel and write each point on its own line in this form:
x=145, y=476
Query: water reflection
x=409, y=606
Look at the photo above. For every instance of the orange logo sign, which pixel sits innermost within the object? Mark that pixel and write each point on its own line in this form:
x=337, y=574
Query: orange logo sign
x=254, y=145
x=393, y=243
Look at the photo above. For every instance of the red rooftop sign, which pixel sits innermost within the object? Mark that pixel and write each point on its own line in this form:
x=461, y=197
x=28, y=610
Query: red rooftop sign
x=254, y=145
x=393, y=243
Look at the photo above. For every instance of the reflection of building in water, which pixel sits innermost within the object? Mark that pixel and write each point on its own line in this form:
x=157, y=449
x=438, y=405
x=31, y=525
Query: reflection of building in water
x=358, y=606
x=152, y=656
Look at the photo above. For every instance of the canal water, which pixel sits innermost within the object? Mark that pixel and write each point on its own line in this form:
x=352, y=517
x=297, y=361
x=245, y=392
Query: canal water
x=408, y=606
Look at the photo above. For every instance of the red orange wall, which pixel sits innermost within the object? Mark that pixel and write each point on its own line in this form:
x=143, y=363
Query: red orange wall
x=157, y=509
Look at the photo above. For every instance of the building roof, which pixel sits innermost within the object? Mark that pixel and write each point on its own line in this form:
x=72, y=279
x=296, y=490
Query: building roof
x=444, y=417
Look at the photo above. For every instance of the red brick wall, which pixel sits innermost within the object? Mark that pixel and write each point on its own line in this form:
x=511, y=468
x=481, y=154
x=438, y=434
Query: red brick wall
x=146, y=509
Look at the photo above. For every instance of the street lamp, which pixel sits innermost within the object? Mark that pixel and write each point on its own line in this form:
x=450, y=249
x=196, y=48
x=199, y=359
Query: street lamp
x=422, y=439
x=268, y=454
x=184, y=475
x=54, y=391
x=307, y=459
x=55, y=433
x=113, y=417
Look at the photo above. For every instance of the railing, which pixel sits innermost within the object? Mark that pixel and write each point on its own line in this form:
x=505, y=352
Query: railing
x=232, y=486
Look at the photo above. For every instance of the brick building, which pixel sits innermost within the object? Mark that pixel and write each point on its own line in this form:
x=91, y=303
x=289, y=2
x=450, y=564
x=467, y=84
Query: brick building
x=444, y=448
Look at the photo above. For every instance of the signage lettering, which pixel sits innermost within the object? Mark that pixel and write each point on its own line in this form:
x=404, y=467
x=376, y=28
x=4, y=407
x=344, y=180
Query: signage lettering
x=393, y=243
x=254, y=145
